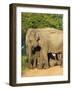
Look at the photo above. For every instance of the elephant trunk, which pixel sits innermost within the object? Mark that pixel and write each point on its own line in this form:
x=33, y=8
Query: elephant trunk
x=30, y=57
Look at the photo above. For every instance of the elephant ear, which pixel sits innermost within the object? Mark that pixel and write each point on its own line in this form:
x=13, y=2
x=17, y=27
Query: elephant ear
x=37, y=36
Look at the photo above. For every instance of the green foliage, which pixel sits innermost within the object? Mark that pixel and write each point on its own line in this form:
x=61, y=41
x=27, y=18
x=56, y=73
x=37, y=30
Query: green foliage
x=37, y=20
x=24, y=60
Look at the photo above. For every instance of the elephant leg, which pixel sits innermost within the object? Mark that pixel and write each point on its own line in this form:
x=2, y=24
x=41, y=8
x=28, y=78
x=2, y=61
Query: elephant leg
x=60, y=62
x=30, y=62
x=46, y=62
x=44, y=56
x=30, y=65
x=39, y=63
x=30, y=57
x=60, y=59
x=45, y=65
x=34, y=63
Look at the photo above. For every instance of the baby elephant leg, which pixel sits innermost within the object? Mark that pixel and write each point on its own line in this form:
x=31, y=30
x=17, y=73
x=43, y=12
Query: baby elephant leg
x=39, y=63
x=34, y=63
x=34, y=60
x=60, y=59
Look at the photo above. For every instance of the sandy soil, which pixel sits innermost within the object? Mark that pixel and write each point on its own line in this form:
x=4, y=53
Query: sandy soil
x=56, y=70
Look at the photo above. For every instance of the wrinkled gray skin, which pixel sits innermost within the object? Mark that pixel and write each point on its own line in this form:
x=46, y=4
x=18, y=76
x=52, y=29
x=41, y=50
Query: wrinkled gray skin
x=49, y=39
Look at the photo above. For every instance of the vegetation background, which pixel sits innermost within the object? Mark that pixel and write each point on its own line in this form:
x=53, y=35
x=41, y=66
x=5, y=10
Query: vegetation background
x=37, y=20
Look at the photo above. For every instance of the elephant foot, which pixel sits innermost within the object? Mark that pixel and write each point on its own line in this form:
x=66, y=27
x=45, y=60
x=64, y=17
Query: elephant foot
x=46, y=67
x=39, y=66
x=30, y=66
x=61, y=65
x=34, y=67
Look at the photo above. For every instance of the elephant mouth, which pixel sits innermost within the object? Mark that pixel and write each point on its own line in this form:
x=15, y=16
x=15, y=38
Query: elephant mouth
x=36, y=49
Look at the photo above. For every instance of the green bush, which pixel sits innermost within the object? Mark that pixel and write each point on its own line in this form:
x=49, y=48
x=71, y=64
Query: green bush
x=35, y=20
x=24, y=61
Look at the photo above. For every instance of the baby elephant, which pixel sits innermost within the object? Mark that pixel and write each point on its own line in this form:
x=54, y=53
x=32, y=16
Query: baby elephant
x=37, y=58
x=55, y=59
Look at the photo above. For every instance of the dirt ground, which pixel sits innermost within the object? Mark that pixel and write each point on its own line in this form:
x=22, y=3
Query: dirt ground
x=56, y=70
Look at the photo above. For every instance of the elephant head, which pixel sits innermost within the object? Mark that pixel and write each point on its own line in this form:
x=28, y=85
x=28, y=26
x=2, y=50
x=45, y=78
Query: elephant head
x=32, y=38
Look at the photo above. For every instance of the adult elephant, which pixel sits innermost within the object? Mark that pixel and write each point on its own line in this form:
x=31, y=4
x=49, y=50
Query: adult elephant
x=49, y=39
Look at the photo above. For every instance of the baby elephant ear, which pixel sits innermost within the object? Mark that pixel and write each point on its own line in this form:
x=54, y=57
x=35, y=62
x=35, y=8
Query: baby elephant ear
x=37, y=37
